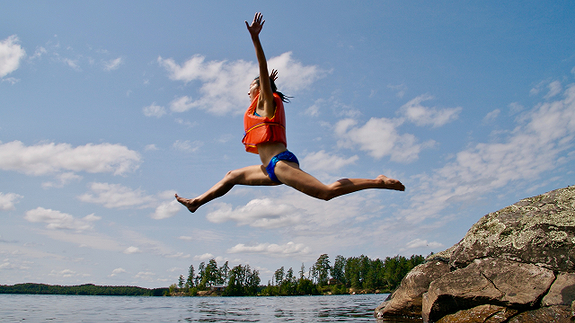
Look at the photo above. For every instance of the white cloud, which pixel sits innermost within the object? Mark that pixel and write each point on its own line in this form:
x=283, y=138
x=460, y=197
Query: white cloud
x=415, y=112
x=313, y=110
x=379, y=137
x=204, y=257
x=224, y=83
x=145, y=275
x=113, y=64
x=85, y=239
x=193, y=69
x=325, y=162
x=117, y=196
x=515, y=108
x=11, y=80
x=554, y=89
x=294, y=76
x=491, y=116
x=64, y=179
x=274, y=250
x=50, y=158
x=7, y=265
x=175, y=269
x=8, y=200
x=180, y=255
x=28, y=251
x=142, y=243
x=400, y=89
x=264, y=213
x=117, y=271
x=203, y=235
x=39, y=52
x=182, y=104
x=537, y=88
x=301, y=216
x=419, y=243
x=535, y=146
x=322, y=225
x=10, y=55
x=186, y=123
x=187, y=146
x=150, y=147
x=131, y=250
x=167, y=195
x=74, y=64
x=58, y=220
x=167, y=210
x=154, y=110
x=66, y=273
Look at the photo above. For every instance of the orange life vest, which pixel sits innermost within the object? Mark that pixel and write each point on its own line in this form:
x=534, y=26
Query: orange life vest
x=262, y=129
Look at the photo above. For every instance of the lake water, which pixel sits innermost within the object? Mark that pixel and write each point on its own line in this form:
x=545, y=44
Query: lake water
x=71, y=308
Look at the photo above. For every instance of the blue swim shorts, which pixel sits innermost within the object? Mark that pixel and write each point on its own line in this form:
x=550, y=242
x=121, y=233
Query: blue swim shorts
x=287, y=156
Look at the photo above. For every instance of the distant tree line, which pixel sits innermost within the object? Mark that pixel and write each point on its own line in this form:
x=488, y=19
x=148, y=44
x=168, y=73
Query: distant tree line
x=87, y=289
x=345, y=275
x=237, y=281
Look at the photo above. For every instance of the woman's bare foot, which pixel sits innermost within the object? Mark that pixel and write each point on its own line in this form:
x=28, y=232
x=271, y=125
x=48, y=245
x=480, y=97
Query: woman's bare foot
x=191, y=204
x=391, y=183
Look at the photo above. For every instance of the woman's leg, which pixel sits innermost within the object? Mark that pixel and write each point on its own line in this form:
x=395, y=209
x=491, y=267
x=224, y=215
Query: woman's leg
x=290, y=174
x=252, y=175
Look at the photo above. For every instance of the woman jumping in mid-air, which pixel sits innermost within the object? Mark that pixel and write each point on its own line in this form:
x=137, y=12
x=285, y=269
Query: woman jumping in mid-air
x=264, y=123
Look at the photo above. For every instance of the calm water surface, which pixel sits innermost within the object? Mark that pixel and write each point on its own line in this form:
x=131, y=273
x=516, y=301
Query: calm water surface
x=68, y=308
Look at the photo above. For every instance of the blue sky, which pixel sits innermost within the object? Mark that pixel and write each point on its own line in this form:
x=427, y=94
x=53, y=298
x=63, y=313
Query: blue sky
x=108, y=108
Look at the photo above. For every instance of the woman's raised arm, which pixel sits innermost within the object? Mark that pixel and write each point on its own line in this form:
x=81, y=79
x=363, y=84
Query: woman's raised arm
x=266, y=100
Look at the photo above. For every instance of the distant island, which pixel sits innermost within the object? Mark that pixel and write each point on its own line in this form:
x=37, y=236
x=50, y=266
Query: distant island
x=86, y=289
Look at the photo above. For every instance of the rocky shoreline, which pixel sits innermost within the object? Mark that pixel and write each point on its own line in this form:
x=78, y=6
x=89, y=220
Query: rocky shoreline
x=514, y=265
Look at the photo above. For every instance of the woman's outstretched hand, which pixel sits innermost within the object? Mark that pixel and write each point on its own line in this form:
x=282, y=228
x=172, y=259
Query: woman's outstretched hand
x=256, y=27
x=274, y=75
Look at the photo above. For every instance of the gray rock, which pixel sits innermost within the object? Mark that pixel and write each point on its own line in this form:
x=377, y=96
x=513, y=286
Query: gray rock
x=406, y=300
x=488, y=281
x=555, y=314
x=562, y=291
x=480, y=314
x=537, y=230
x=509, y=259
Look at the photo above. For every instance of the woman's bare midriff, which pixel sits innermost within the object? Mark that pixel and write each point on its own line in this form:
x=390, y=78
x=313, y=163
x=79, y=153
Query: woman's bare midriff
x=268, y=150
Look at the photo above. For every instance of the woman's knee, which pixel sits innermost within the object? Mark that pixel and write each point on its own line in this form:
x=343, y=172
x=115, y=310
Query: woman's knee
x=233, y=176
x=326, y=193
x=326, y=196
x=331, y=191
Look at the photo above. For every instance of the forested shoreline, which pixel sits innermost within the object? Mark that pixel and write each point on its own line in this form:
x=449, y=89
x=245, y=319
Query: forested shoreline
x=86, y=289
x=346, y=275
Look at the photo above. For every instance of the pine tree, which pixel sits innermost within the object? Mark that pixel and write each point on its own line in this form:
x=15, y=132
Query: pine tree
x=190, y=280
x=337, y=271
x=181, y=282
x=321, y=270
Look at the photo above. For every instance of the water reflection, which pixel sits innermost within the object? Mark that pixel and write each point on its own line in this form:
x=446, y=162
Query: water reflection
x=284, y=309
x=58, y=308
